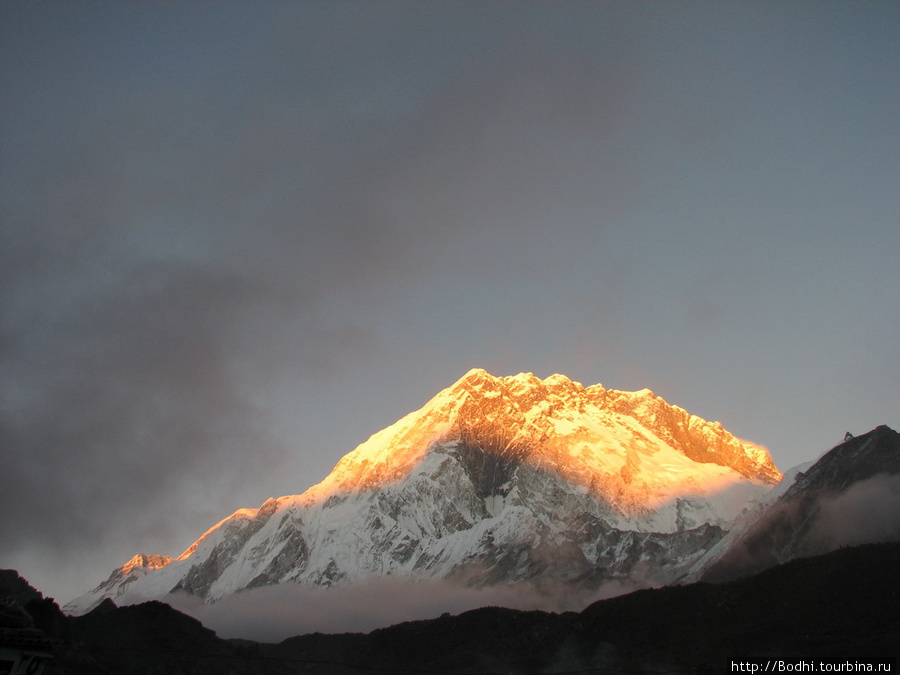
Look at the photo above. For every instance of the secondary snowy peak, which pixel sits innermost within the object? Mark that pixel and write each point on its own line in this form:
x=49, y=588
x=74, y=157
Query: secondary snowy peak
x=632, y=448
x=147, y=562
x=122, y=578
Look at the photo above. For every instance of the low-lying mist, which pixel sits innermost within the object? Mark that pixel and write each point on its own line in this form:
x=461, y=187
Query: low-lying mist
x=866, y=512
x=273, y=613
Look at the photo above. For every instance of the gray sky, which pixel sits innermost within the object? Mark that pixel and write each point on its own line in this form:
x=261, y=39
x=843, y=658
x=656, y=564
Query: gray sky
x=238, y=238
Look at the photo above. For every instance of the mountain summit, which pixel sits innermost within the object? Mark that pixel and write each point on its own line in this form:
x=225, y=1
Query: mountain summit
x=603, y=440
x=494, y=480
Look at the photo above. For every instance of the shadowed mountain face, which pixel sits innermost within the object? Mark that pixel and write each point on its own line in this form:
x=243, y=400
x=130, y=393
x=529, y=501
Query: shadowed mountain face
x=856, y=459
x=851, y=495
x=843, y=605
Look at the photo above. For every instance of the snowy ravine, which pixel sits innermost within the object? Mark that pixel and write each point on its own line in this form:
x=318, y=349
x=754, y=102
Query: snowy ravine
x=495, y=480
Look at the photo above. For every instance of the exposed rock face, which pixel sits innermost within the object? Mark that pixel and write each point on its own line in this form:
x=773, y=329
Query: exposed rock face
x=496, y=479
x=856, y=459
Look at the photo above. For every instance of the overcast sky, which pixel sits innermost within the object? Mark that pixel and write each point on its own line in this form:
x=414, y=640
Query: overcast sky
x=238, y=238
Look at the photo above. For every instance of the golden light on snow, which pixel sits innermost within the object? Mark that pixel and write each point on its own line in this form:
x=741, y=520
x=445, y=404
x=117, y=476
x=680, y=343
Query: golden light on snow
x=600, y=448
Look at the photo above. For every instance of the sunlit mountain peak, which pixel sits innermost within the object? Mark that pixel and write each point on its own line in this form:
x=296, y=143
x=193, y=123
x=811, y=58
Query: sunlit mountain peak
x=495, y=479
x=479, y=379
x=148, y=562
x=611, y=442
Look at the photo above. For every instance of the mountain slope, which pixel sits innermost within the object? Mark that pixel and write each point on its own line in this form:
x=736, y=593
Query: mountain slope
x=851, y=495
x=496, y=479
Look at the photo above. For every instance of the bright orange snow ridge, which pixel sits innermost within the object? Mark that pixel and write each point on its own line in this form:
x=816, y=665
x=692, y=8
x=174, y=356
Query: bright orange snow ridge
x=630, y=448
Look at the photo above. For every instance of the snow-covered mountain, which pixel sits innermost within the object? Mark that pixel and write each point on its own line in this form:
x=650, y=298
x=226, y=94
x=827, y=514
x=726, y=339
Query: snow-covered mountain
x=495, y=479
